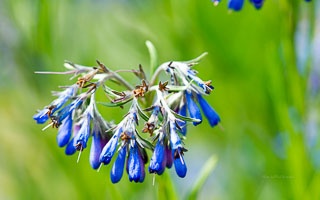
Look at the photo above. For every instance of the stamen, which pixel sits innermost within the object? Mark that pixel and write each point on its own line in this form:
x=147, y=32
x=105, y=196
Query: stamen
x=79, y=155
x=47, y=126
x=154, y=178
x=220, y=126
x=181, y=158
x=99, y=167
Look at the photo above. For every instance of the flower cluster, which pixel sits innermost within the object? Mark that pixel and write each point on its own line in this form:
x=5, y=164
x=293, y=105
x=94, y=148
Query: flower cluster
x=176, y=104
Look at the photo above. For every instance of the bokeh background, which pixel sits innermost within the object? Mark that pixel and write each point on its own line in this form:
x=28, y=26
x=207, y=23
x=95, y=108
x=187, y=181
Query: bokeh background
x=264, y=66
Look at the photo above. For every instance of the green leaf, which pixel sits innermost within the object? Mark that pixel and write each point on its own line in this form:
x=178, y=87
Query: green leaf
x=187, y=119
x=115, y=104
x=144, y=142
x=142, y=114
x=206, y=170
x=153, y=56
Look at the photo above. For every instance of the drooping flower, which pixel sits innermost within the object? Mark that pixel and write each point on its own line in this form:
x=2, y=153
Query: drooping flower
x=117, y=168
x=193, y=109
x=176, y=146
x=235, y=5
x=156, y=161
x=110, y=148
x=81, y=139
x=65, y=131
x=208, y=111
x=257, y=3
x=70, y=149
x=96, y=146
x=134, y=163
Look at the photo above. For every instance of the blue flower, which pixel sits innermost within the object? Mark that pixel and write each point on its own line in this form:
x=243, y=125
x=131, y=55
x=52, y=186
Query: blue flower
x=156, y=161
x=134, y=163
x=183, y=112
x=257, y=3
x=65, y=131
x=96, y=148
x=70, y=149
x=110, y=148
x=179, y=164
x=117, y=168
x=194, y=109
x=208, y=111
x=81, y=139
x=235, y=5
x=42, y=116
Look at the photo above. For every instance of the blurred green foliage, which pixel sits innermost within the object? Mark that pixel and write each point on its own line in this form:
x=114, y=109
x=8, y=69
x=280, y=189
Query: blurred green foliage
x=259, y=94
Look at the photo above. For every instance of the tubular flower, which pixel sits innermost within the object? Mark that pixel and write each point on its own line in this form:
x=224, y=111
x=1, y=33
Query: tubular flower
x=193, y=109
x=65, y=131
x=208, y=111
x=235, y=5
x=81, y=139
x=257, y=3
x=176, y=104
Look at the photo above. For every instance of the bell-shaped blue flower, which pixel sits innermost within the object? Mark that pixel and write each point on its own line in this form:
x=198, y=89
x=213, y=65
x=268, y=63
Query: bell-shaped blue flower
x=155, y=165
x=110, y=148
x=96, y=148
x=183, y=112
x=194, y=109
x=235, y=5
x=81, y=139
x=65, y=131
x=42, y=116
x=134, y=167
x=208, y=111
x=257, y=3
x=70, y=149
x=117, y=168
x=179, y=164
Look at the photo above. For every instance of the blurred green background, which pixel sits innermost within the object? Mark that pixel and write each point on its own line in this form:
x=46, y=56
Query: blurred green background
x=260, y=63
